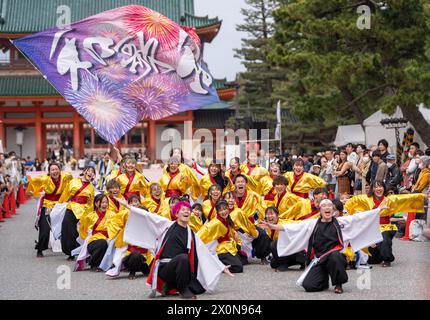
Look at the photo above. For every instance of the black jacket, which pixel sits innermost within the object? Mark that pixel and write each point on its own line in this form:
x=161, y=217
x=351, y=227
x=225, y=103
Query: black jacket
x=309, y=253
x=394, y=177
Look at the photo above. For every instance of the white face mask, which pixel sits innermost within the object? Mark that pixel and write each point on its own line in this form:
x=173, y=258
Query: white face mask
x=389, y=165
x=410, y=155
x=421, y=166
x=366, y=159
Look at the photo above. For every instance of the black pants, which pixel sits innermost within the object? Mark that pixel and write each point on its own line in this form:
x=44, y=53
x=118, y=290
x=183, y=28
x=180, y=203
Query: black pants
x=97, y=250
x=334, y=265
x=286, y=261
x=383, y=250
x=177, y=274
x=135, y=262
x=261, y=244
x=44, y=231
x=234, y=262
x=69, y=232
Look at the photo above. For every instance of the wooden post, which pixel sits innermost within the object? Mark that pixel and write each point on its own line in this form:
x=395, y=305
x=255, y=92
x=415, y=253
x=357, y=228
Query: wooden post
x=152, y=140
x=76, y=136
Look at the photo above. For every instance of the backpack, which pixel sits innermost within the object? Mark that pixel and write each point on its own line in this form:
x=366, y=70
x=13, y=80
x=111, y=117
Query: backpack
x=416, y=229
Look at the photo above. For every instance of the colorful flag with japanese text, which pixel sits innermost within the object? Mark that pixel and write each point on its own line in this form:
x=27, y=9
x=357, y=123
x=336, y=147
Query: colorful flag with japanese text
x=123, y=65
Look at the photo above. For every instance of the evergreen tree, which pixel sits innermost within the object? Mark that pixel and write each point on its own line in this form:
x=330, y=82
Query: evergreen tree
x=256, y=83
x=339, y=73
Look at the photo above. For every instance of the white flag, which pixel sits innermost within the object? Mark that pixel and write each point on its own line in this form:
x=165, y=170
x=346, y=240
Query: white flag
x=279, y=121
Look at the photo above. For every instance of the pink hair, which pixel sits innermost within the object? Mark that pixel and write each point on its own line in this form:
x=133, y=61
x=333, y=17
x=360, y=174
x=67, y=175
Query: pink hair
x=178, y=206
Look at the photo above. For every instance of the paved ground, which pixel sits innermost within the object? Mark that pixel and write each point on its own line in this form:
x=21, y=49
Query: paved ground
x=23, y=276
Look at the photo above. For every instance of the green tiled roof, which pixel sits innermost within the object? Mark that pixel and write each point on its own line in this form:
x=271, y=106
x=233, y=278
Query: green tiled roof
x=222, y=105
x=223, y=84
x=26, y=86
x=29, y=16
x=37, y=86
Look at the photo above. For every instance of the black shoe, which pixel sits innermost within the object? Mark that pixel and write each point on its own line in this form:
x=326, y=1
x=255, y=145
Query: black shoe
x=385, y=264
x=282, y=268
x=39, y=254
x=187, y=294
x=70, y=258
x=132, y=275
x=302, y=267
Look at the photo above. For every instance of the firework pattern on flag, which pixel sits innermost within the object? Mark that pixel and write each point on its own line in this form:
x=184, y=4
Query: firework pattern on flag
x=123, y=65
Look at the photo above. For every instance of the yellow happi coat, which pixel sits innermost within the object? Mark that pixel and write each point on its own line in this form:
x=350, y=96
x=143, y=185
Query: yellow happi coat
x=305, y=184
x=139, y=185
x=46, y=184
x=396, y=203
x=192, y=179
x=217, y=229
x=207, y=181
x=114, y=205
x=88, y=222
x=267, y=190
x=195, y=223
x=70, y=192
x=251, y=184
x=251, y=202
x=115, y=229
x=257, y=172
x=155, y=206
x=209, y=209
x=242, y=223
x=115, y=173
x=176, y=184
x=285, y=202
x=303, y=209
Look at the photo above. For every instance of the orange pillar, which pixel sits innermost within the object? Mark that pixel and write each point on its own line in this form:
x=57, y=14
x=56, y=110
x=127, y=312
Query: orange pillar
x=76, y=136
x=2, y=130
x=44, y=142
x=38, y=126
x=152, y=140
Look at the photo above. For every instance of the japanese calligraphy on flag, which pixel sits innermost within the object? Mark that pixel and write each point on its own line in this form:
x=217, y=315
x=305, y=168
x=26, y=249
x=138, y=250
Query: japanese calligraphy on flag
x=123, y=65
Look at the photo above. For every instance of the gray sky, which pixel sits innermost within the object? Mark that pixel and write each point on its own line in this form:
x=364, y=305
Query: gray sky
x=219, y=54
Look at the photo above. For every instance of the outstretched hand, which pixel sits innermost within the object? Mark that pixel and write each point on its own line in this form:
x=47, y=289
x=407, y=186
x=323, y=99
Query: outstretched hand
x=123, y=202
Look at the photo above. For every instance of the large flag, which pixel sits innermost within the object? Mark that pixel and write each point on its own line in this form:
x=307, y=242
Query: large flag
x=123, y=65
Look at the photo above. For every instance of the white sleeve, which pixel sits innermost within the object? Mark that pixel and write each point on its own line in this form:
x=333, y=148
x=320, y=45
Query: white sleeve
x=361, y=229
x=295, y=237
x=144, y=229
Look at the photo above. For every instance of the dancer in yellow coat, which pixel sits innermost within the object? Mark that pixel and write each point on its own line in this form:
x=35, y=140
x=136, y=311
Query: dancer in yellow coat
x=214, y=195
x=96, y=221
x=53, y=184
x=156, y=203
x=302, y=183
x=266, y=184
x=215, y=175
x=79, y=194
x=221, y=229
x=136, y=259
x=175, y=182
x=132, y=181
x=236, y=170
x=383, y=252
x=249, y=202
x=284, y=200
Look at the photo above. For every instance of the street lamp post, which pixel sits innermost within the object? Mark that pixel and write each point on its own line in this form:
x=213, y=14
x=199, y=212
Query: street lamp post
x=396, y=124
